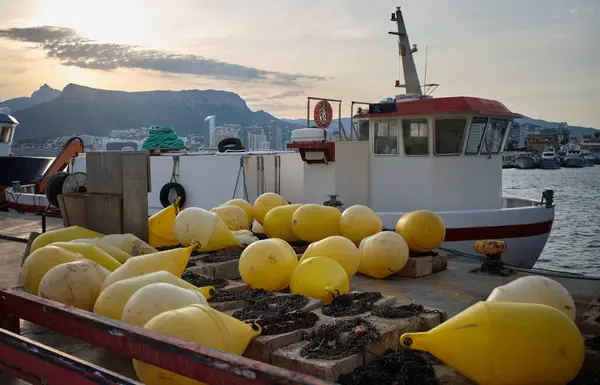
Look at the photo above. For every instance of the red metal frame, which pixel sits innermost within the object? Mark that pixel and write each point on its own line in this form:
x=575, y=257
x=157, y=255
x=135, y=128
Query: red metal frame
x=303, y=147
x=186, y=358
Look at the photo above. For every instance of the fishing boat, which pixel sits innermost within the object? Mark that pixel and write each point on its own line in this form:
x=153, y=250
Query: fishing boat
x=415, y=152
x=588, y=158
x=573, y=157
x=549, y=159
x=526, y=160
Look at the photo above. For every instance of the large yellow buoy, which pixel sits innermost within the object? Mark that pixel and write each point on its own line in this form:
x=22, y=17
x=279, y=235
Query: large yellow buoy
x=359, y=222
x=75, y=283
x=112, y=300
x=266, y=202
x=91, y=252
x=313, y=222
x=340, y=249
x=129, y=243
x=41, y=261
x=278, y=223
x=157, y=298
x=118, y=254
x=506, y=343
x=244, y=205
x=160, y=227
x=321, y=278
x=382, y=254
x=268, y=264
x=423, y=230
x=536, y=289
x=62, y=235
x=234, y=217
x=196, y=225
x=199, y=324
x=174, y=261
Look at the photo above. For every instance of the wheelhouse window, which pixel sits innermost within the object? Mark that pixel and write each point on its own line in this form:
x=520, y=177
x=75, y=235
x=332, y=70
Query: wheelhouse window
x=475, y=135
x=449, y=134
x=416, y=136
x=494, y=133
x=386, y=138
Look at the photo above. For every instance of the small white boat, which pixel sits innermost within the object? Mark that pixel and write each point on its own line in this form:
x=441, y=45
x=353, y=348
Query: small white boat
x=526, y=160
x=415, y=152
x=549, y=159
x=573, y=157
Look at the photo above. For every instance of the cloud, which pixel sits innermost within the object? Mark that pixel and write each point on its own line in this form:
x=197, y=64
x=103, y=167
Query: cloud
x=65, y=45
x=286, y=94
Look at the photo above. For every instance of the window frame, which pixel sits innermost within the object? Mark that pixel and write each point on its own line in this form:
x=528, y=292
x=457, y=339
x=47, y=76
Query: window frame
x=502, y=144
x=415, y=118
x=374, y=136
x=470, y=122
x=466, y=130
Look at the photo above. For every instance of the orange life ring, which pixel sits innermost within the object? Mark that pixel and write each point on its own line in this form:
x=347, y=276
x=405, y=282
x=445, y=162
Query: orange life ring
x=323, y=114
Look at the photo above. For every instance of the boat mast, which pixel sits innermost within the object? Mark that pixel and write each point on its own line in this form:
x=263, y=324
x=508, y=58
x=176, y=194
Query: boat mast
x=411, y=78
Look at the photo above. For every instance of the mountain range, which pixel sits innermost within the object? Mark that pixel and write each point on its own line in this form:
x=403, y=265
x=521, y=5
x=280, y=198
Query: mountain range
x=83, y=110
x=78, y=110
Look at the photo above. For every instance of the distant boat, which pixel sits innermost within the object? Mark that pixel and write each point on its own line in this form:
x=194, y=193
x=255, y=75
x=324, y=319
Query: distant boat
x=549, y=159
x=508, y=160
x=526, y=160
x=573, y=157
x=588, y=158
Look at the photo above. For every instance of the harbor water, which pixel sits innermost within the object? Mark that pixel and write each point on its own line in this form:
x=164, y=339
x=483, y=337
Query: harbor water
x=574, y=243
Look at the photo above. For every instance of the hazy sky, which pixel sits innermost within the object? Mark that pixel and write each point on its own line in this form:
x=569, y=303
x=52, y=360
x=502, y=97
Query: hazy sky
x=539, y=57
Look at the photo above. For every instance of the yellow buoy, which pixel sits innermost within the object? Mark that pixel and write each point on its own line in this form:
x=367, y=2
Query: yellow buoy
x=278, y=223
x=382, y=254
x=321, y=278
x=157, y=298
x=63, y=235
x=268, y=264
x=75, y=283
x=129, y=243
x=340, y=249
x=112, y=300
x=118, y=254
x=234, y=217
x=536, y=289
x=160, y=227
x=174, y=261
x=423, y=230
x=359, y=222
x=313, y=222
x=41, y=261
x=266, y=202
x=91, y=252
x=199, y=324
x=506, y=343
x=196, y=225
x=244, y=205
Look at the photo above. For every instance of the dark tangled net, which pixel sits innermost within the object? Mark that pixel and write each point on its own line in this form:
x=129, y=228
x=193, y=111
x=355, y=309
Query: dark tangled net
x=341, y=339
x=351, y=304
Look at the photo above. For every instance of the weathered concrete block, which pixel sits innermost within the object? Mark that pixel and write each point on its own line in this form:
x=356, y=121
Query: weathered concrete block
x=261, y=348
x=229, y=305
x=401, y=325
x=329, y=370
x=225, y=270
x=388, y=340
x=445, y=375
x=417, y=267
x=386, y=300
x=439, y=263
x=431, y=320
x=237, y=287
x=595, y=303
x=591, y=322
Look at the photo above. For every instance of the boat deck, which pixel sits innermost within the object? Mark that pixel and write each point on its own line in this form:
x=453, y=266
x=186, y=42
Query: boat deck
x=452, y=290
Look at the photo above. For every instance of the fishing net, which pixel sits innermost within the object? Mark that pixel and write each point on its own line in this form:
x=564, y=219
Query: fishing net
x=202, y=281
x=341, y=339
x=351, y=304
x=225, y=295
x=162, y=137
x=593, y=342
x=586, y=378
x=404, y=311
x=404, y=367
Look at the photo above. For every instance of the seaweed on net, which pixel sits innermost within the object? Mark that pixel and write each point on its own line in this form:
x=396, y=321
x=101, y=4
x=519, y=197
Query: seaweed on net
x=341, y=339
x=202, y=281
x=404, y=311
x=403, y=367
x=351, y=304
x=225, y=295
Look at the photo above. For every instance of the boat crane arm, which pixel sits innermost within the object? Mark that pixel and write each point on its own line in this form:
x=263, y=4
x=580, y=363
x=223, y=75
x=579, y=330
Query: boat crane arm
x=70, y=150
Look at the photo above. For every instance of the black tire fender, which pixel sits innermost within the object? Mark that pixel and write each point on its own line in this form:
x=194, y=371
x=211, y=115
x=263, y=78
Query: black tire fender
x=165, y=191
x=231, y=144
x=54, y=187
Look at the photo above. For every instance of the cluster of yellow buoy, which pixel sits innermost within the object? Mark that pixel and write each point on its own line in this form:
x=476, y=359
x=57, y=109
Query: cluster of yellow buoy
x=524, y=333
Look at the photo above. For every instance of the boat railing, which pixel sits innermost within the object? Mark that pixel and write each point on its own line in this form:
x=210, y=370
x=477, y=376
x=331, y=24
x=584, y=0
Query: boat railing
x=510, y=202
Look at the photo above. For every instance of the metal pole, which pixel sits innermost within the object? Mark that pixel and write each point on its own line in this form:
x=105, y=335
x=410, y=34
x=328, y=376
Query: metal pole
x=308, y=112
x=340, y=121
x=352, y=121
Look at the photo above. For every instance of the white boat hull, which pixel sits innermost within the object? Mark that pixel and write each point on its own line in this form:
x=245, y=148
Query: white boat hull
x=25, y=201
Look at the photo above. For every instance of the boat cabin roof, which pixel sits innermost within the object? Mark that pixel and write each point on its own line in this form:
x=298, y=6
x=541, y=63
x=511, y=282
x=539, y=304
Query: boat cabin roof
x=7, y=119
x=459, y=105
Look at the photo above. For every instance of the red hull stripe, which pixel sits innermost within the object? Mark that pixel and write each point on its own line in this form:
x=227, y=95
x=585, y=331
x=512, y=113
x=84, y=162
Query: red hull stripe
x=22, y=208
x=497, y=232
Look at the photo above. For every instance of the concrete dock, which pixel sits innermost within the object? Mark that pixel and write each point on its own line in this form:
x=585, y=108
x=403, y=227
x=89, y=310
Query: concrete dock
x=452, y=290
